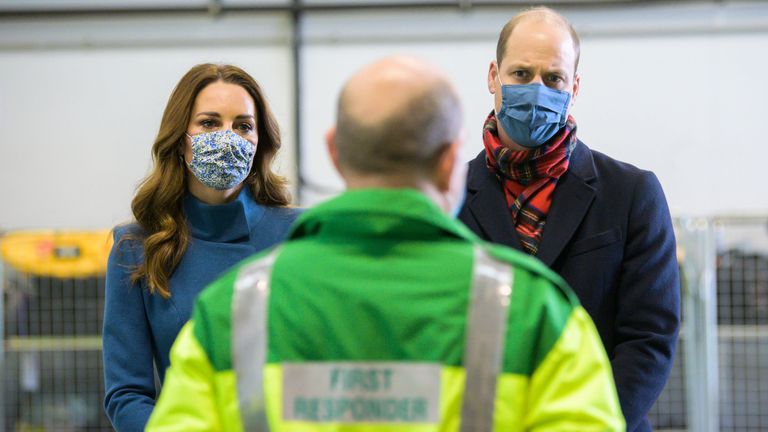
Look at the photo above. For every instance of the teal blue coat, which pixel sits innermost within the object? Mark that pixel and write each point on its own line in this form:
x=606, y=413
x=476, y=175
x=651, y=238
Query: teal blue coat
x=139, y=328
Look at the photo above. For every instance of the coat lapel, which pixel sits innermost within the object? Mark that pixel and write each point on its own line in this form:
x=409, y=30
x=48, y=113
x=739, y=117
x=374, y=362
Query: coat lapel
x=571, y=200
x=487, y=205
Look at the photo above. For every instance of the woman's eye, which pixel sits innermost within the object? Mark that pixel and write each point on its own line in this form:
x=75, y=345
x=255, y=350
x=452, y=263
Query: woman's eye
x=208, y=123
x=245, y=127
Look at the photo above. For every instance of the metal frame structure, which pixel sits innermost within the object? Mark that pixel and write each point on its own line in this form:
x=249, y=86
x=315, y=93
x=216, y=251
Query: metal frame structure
x=48, y=7
x=699, y=335
x=722, y=359
x=697, y=238
x=2, y=336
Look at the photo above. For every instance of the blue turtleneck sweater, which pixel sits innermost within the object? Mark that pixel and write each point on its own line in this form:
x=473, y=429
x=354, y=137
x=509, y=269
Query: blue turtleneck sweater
x=140, y=328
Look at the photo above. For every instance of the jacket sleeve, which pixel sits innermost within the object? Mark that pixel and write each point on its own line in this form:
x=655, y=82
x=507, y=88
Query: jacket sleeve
x=129, y=376
x=648, y=305
x=187, y=401
x=572, y=389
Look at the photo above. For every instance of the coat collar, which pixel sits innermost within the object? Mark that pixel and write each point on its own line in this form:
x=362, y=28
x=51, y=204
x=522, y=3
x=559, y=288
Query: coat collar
x=383, y=213
x=571, y=200
x=223, y=223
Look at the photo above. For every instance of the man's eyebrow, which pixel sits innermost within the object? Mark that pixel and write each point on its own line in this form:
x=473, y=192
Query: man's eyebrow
x=511, y=67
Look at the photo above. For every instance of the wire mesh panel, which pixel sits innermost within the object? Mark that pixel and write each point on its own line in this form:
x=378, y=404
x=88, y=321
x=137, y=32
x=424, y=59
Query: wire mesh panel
x=53, y=306
x=742, y=279
x=686, y=403
x=670, y=411
x=741, y=248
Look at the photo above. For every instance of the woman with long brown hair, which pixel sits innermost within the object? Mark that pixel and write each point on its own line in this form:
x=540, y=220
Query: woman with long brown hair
x=210, y=200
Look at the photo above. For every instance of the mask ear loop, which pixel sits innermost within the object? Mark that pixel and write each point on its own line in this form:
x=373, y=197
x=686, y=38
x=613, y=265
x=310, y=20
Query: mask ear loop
x=501, y=88
x=251, y=173
x=182, y=161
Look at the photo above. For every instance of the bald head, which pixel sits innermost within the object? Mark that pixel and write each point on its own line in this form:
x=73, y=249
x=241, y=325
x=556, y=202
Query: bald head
x=394, y=117
x=537, y=14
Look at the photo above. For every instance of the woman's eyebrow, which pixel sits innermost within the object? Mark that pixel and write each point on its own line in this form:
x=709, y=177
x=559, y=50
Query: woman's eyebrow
x=208, y=113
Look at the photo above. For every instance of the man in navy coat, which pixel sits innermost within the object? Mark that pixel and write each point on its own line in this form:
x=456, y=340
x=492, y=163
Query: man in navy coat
x=603, y=225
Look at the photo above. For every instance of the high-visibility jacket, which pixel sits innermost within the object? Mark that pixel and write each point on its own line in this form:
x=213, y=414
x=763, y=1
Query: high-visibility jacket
x=380, y=314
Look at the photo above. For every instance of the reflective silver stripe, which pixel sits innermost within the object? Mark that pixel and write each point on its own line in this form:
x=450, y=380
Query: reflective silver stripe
x=249, y=340
x=484, y=347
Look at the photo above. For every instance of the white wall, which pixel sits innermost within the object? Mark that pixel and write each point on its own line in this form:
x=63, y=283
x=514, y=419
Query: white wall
x=81, y=101
x=675, y=89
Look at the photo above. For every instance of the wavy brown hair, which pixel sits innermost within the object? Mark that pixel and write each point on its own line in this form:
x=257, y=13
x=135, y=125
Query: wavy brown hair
x=158, y=204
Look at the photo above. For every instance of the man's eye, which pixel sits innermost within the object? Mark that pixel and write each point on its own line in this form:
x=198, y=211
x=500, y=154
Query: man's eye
x=555, y=78
x=520, y=74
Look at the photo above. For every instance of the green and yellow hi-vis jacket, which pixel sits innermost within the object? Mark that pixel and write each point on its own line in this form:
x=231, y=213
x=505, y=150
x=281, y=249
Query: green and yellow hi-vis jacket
x=380, y=314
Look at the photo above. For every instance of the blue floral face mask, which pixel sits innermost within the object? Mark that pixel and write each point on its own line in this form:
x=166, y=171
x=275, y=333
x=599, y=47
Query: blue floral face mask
x=531, y=114
x=222, y=159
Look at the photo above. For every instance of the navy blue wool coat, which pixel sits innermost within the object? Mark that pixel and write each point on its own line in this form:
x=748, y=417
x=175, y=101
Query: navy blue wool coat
x=609, y=235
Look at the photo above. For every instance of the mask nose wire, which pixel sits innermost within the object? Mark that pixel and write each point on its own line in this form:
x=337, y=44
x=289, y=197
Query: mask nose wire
x=231, y=142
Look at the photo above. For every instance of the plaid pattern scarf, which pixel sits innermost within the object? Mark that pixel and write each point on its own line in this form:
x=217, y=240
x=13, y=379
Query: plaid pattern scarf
x=529, y=177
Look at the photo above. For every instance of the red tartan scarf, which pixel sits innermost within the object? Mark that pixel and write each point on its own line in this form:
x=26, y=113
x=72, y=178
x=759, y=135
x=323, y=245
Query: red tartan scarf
x=529, y=177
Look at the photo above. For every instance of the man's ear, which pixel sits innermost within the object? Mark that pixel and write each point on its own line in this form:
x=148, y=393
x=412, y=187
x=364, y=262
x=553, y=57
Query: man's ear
x=576, y=84
x=333, y=152
x=446, y=164
x=493, y=71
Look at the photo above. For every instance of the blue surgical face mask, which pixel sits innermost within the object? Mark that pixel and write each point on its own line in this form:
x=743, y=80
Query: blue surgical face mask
x=531, y=114
x=222, y=159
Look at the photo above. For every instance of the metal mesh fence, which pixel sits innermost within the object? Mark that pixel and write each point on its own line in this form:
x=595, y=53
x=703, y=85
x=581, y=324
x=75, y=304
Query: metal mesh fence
x=52, y=365
x=742, y=313
x=53, y=379
x=741, y=334
x=670, y=411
